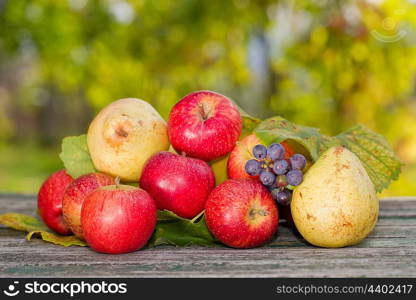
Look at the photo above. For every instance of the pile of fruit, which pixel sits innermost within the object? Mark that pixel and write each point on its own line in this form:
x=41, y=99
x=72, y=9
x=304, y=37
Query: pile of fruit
x=212, y=166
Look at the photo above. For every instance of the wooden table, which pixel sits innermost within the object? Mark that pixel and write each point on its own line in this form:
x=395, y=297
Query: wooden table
x=390, y=251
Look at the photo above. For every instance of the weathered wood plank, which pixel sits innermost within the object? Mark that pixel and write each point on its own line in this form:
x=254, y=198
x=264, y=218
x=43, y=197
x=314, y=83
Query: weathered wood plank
x=196, y=261
x=389, y=251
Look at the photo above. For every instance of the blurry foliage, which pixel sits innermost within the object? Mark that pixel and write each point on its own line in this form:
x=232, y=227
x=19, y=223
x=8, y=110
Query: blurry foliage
x=24, y=167
x=328, y=64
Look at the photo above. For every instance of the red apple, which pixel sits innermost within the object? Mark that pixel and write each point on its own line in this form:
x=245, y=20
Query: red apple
x=50, y=198
x=204, y=125
x=118, y=219
x=243, y=152
x=177, y=183
x=241, y=213
x=75, y=195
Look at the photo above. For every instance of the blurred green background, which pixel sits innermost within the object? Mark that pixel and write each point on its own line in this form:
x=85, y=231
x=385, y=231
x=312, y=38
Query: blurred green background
x=328, y=64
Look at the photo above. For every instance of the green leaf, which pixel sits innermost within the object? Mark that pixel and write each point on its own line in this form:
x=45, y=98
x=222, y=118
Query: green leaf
x=167, y=215
x=174, y=230
x=22, y=222
x=35, y=227
x=278, y=129
x=75, y=156
x=377, y=156
x=249, y=122
x=62, y=240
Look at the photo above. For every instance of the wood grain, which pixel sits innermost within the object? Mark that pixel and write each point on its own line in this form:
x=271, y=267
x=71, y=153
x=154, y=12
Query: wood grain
x=390, y=251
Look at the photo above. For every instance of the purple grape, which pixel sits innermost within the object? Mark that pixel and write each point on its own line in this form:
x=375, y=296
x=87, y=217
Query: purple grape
x=294, y=177
x=276, y=151
x=283, y=197
x=253, y=167
x=260, y=151
x=267, y=178
x=298, y=161
x=280, y=167
x=273, y=186
x=281, y=181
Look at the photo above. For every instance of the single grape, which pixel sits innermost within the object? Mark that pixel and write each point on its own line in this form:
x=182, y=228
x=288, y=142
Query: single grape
x=281, y=181
x=280, y=167
x=253, y=167
x=283, y=197
x=267, y=178
x=273, y=186
x=276, y=151
x=260, y=151
x=298, y=161
x=294, y=177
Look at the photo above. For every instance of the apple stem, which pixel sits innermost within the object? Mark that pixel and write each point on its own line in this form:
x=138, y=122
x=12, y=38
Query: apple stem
x=204, y=112
x=117, y=181
x=253, y=212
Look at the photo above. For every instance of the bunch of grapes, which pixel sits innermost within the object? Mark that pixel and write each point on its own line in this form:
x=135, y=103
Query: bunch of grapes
x=278, y=174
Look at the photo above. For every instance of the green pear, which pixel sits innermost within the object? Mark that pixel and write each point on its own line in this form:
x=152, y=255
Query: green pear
x=336, y=204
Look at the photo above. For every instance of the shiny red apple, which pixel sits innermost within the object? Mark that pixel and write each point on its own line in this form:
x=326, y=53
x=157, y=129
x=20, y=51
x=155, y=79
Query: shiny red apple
x=50, y=199
x=75, y=195
x=118, y=219
x=241, y=213
x=243, y=152
x=177, y=183
x=204, y=125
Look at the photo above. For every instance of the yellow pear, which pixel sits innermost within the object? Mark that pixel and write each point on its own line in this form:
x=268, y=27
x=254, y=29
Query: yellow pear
x=124, y=135
x=172, y=150
x=336, y=204
x=219, y=167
